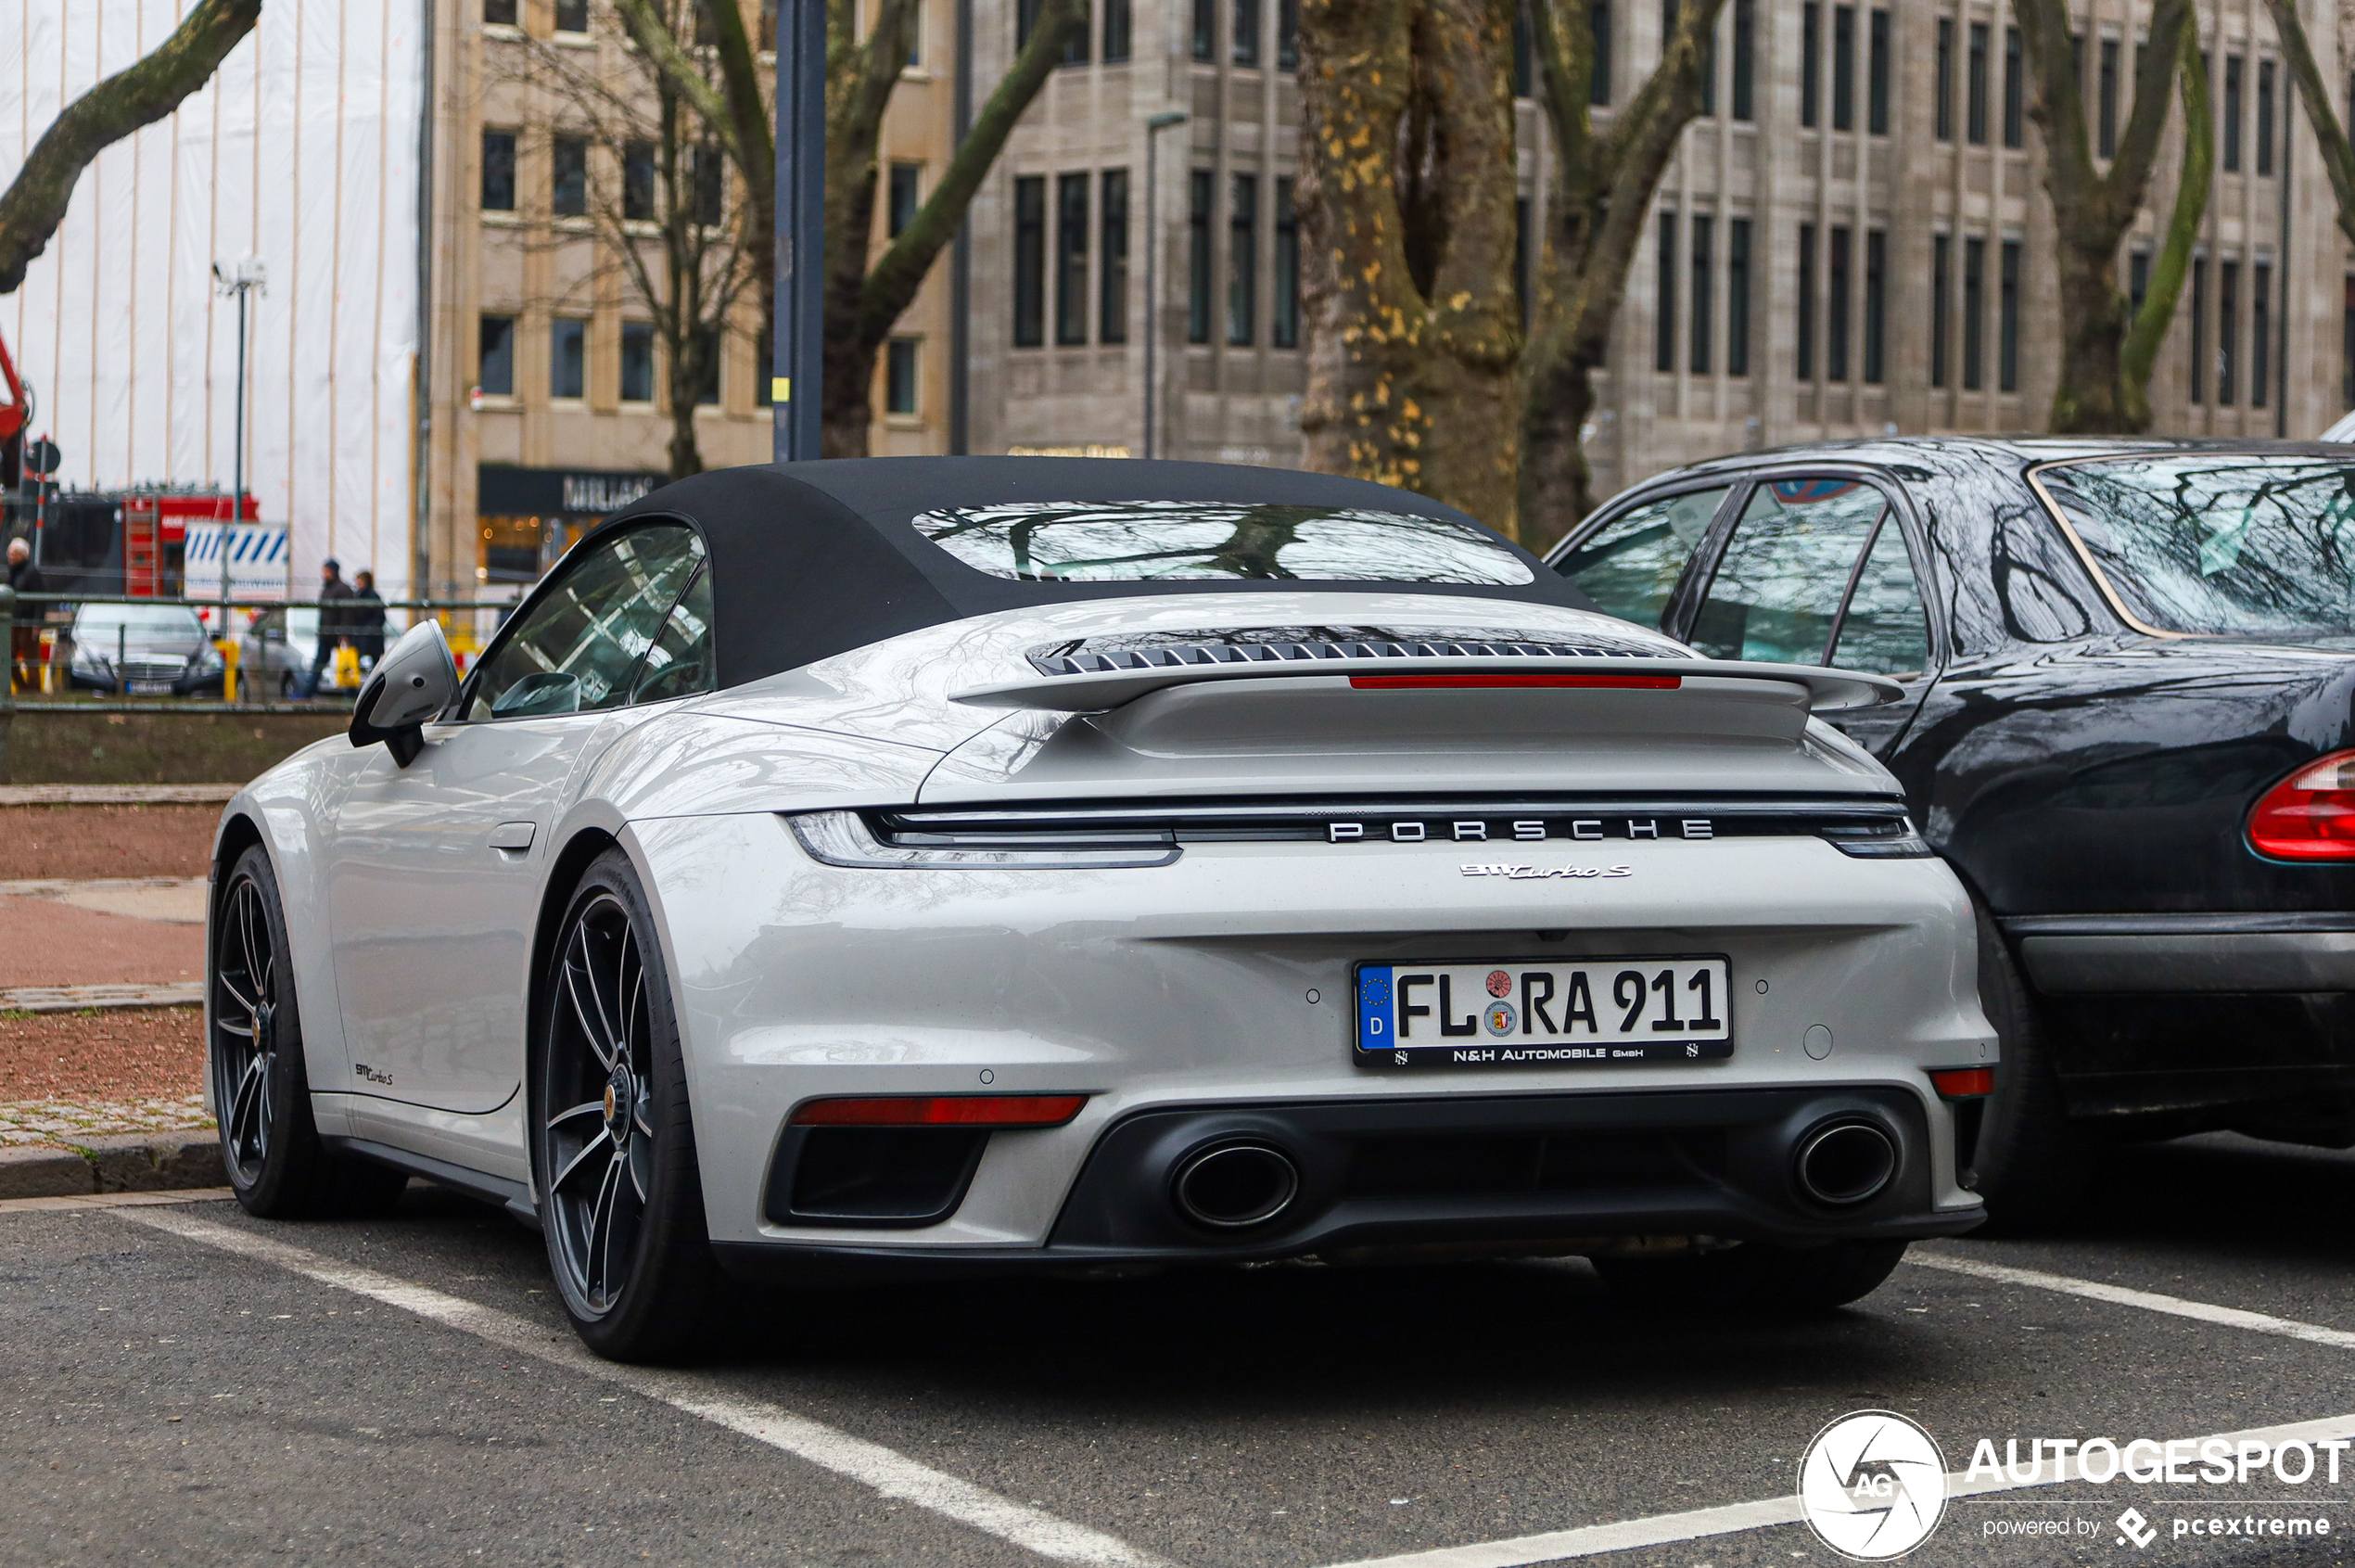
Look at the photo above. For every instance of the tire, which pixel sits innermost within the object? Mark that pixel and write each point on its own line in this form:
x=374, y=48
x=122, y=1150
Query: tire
x=270, y=1146
x=2034, y=1164
x=612, y=1147
x=1758, y=1276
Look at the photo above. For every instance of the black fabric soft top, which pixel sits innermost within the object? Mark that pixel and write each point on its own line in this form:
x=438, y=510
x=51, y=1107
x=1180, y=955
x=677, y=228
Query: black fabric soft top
x=813, y=559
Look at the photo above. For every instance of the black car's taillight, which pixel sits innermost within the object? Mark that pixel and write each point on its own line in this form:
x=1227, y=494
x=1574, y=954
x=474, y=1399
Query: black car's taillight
x=2310, y=814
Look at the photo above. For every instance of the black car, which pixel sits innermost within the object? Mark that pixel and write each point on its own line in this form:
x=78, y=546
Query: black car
x=2128, y=669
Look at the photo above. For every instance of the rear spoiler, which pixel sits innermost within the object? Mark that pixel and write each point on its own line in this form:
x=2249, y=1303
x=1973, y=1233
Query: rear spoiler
x=1100, y=690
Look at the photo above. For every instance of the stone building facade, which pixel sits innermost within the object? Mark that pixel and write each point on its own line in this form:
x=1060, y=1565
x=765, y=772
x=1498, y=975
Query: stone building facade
x=1841, y=247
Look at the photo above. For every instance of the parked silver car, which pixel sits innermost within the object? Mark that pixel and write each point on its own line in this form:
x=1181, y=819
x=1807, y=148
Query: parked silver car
x=275, y=656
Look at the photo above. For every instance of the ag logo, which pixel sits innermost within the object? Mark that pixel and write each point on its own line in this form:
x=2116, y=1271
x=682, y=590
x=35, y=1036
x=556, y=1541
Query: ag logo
x=1872, y=1485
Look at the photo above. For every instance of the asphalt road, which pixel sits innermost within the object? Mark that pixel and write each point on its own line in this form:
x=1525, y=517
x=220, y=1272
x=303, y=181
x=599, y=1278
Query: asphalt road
x=166, y=1397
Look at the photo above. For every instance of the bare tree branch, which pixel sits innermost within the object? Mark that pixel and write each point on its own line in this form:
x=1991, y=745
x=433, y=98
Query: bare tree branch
x=2174, y=259
x=2338, y=157
x=139, y=95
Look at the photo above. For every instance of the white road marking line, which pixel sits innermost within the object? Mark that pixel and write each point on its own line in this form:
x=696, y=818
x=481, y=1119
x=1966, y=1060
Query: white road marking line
x=870, y=1464
x=1667, y=1529
x=2149, y=1301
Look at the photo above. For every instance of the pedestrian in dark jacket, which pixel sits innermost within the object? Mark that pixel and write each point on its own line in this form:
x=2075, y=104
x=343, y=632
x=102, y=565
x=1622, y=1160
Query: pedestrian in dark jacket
x=332, y=592
x=25, y=578
x=363, y=619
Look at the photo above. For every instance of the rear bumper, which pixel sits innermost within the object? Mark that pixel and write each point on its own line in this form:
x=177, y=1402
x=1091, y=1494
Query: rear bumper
x=2173, y=954
x=1564, y=1172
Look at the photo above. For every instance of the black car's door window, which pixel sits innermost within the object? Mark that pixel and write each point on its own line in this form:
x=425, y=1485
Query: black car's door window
x=1629, y=567
x=1884, y=631
x=578, y=646
x=679, y=663
x=1777, y=590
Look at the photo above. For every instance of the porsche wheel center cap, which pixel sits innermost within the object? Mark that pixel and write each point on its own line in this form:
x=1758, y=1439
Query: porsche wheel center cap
x=619, y=1091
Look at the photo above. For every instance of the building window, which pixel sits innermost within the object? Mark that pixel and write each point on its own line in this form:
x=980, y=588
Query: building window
x=2199, y=329
x=638, y=181
x=1738, y=296
x=2007, y=322
x=1288, y=34
x=2015, y=90
x=1243, y=260
x=1664, y=315
x=1521, y=258
x=1940, y=302
x=2228, y=333
x=1835, y=323
x=1074, y=46
x=572, y=15
x=899, y=376
x=1700, y=351
x=2106, y=102
x=2138, y=281
x=495, y=369
x=568, y=194
x=1974, y=314
x=637, y=362
x=568, y=357
x=2232, y=114
x=1843, y=67
x=1199, y=192
x=1071, y=260
x=1030, y=261
x=764, y=370
x=709, y=169
x=1803, y=360
x=2347, y=342
x=1745, y=69
x=1877, y=76
x=2264, y=118
x=2260, y=332
x=1811, y=62
x=899, y=207
x=499, y=13
x=1975, y=88
x=1247, y=39
x=1943, y=89
x=1524, y=52
x=1206, y=31
x=1876, y=305
x=1599, y=79
x=1119, y=32
x=1284, y=329
x=1112, y=305
x=498, y=171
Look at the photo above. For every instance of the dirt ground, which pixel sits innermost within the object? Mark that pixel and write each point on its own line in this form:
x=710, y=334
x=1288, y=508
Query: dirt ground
x=90, y=841
x=120, y=1053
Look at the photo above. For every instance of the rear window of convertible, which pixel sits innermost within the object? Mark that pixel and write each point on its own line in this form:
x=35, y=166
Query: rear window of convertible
x=1153, y=540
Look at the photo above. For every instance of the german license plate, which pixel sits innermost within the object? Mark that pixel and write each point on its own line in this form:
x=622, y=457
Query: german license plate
x=150, y=688
x=1514, y=1013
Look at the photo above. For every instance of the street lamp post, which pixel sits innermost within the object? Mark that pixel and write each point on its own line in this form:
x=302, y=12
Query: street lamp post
x=799, y=310
x=247, y=275
x=1153, y=128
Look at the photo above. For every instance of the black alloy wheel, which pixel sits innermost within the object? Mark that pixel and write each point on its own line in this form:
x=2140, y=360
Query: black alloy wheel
x=622, y=1198
x=2034, y=1164
x=269, y=1146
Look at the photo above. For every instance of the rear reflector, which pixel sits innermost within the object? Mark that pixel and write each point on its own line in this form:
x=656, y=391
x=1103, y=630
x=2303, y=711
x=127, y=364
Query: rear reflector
x=1450, y=683
x=2309, y=815
x=947, y=1110
x=1965, y=1083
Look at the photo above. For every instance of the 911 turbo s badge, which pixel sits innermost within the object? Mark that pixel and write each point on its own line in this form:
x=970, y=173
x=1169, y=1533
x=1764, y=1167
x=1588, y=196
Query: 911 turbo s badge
x=1541, y=874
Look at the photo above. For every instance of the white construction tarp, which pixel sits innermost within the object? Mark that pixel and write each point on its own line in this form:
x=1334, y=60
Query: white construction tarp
x=302, y=151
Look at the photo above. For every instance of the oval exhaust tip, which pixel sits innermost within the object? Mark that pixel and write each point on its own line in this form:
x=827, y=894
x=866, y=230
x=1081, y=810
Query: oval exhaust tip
x=1846, y=1163
x=1235, y=1185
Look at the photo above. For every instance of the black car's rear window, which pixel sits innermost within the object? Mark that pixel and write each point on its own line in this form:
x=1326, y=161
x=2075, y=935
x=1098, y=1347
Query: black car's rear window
x=2227, y=544
x=1157, y=540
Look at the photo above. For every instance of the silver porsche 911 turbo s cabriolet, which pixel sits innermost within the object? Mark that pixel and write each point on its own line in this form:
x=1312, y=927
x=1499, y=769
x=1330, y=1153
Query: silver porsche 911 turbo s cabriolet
x=931, y=865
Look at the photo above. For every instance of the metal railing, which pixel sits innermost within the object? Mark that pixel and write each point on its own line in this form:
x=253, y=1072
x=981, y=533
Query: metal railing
x=13, y=606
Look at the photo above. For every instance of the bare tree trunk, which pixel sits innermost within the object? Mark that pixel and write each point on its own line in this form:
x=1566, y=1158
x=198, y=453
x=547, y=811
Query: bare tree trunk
x=1603, y=193
x=2091, y=209
x=1406, y=211
x=2165, y=286
x=2338, y=157
x=137, y=95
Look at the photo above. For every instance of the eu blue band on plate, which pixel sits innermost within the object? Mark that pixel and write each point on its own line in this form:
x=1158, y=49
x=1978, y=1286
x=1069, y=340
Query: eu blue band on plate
x=1375, y=1022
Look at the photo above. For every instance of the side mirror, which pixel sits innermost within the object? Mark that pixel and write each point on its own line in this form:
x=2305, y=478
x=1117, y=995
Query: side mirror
x=412, y=683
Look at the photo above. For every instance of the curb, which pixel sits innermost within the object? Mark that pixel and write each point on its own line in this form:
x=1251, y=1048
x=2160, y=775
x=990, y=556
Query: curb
x=116, y=795
x=134, y=1162
x=78, y=999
